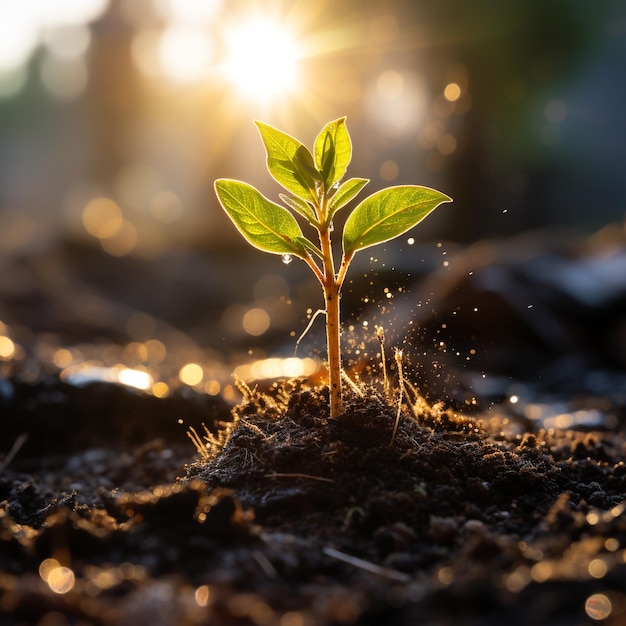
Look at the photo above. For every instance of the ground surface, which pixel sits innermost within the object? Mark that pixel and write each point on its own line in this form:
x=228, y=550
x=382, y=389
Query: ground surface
x=303, y=521
x=511, y=511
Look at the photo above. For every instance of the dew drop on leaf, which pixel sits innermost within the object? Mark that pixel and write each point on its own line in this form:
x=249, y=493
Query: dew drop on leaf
x=287, y=258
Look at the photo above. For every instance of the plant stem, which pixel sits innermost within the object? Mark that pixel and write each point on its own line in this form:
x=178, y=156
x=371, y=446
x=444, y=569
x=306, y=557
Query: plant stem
x=332, y=290
x=333, y=343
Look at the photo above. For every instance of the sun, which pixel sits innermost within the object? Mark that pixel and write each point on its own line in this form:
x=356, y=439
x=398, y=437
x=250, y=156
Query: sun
x=263, y=58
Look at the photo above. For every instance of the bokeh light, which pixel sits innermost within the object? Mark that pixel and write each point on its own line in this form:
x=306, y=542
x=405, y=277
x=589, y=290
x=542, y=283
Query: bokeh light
x=191, y=374
x=7, y=348
x=102, y=218
x=185, y=53
x=598, y=606
x=60, y=579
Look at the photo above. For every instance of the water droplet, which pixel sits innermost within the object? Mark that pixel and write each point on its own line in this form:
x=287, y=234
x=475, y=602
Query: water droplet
x=287, y=258
x=331, y=227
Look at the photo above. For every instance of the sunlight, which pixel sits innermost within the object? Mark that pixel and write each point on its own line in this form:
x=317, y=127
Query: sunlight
x=263, y=59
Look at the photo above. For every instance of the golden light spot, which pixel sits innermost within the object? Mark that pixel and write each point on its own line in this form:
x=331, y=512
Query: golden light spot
x=256, y=321
x=229, y=394
x=389, y=170
x=597, y=568
x=7, y=348
x=276, y=368
x=155, y=351
x=46, y=566
x=191, y=374
x=445, y=575
x=135, y=378
x=446, y=144
x=452, y=92
x=540, y=572
x=293, y=619
x=212, y=387
x=60, y=579
x=62, y=358
x=517, y=580
x=598, y=606
x=122, y=242
x=102, y=218
x=564, y=420
x=135, y=353
x=204, y=595
x=160, y=390
x=592, y=518
x=611, y=544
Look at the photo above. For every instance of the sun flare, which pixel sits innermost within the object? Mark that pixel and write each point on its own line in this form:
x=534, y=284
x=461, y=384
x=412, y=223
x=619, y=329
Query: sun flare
x=263, y=58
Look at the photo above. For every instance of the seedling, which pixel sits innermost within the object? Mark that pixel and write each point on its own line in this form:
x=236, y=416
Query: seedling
x=317, y=193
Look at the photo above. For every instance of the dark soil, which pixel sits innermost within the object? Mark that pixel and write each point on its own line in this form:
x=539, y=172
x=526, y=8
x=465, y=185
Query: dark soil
x=112, y=518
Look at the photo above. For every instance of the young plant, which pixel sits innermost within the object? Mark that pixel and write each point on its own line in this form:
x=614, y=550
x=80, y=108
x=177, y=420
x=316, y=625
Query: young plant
x=316, y=193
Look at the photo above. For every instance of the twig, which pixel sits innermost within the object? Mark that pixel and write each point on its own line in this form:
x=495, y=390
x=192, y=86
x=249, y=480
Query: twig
x=386, y=572
x=352, y=384
x=308, y=328
x=15, y=448
x=296, y=475
x=398, y=357
x=265, y=564
x=380, y=335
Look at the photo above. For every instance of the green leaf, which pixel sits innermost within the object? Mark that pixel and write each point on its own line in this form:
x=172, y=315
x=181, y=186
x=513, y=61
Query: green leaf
x=346, y=192
x=333, y=152
x=289, y=162
x=267, y=226
x=387, y=214
x=311, y=247
x=301, y=207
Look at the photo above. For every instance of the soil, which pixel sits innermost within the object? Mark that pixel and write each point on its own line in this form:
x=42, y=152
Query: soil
x=284, y=517
x=480, y=512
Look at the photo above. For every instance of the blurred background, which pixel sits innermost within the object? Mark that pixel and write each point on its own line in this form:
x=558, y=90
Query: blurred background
x=117, y=115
